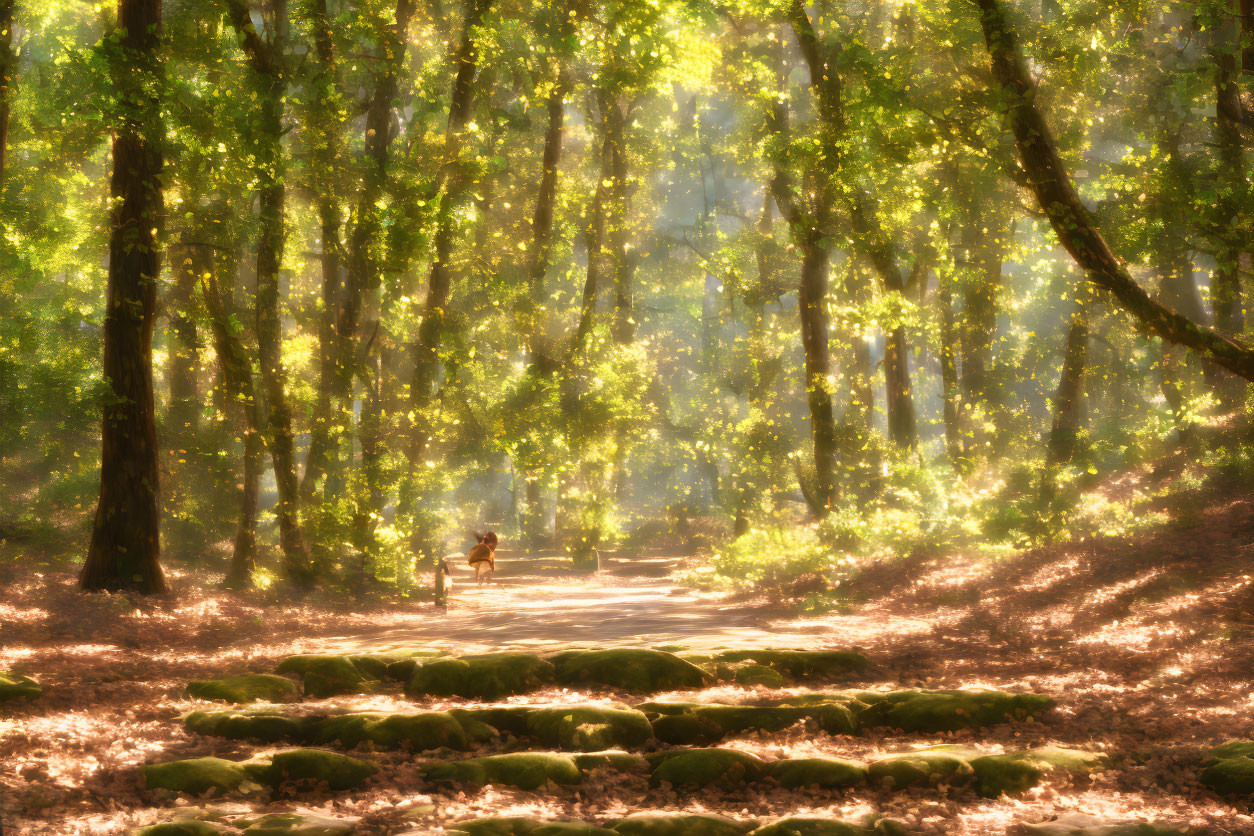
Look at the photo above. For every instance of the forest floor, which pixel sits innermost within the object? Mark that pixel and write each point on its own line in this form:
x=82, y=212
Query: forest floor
x=1147, y=644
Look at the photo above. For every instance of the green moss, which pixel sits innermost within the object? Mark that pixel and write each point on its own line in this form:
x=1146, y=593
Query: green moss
x=941, y=764
x=803, y=664
x=298, y=824
x=475, y=729
x=588, y=728
x=810, y=826
x=829, y=773
x=687, y=729
x=488, y=677
x=1016, y=772
x=246, y=687
x=612, y=759
x=1234, y=749
x=261, y=726
x=302, y=768
x=195, y=776
x=679, y=824
x=1230, y=776
x=705, y=767
x=328, y=676
x=939, y=711
x=629, y=668
x=521, y=826
x=189, y=827
x=525, y=770
x=417, y=732
x=759, y=675
x=14, y=686
x=569, y=828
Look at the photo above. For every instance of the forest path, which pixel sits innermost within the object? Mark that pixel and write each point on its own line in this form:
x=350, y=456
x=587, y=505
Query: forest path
x=535, y=602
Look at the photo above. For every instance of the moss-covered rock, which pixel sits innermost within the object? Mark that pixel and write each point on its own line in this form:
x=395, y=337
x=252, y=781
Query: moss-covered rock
x=679, y=824
x=505, y=826
x=570, y=828
x=1015, y=772
x=803, y=664
x=759, y=675
x=262, y=726
x=828, y=773
x=811, y=826
x=725, y=768
x=488, y=677
x=525, y=770
x=15, y=686
x=297, y=824
x=939, y=711
x=612, y=759
x=197, y=776
x=246, y=687
x=328, y=676
x=187, y=827
x=588, y=728
x=1082, y=824
x=687, y=729
x=309, y=768
x=634, y=669
x=418, y=732
x=935, y=765
x=1230, y=769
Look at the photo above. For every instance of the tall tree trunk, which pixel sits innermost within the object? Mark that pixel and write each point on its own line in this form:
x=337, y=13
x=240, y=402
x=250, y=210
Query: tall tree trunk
x=1069, y=399
x=624, y=261
x=430, y=332
x=984, y=239
x=237, y=376
x=951, y=395
x=594, y=236
x=325, y=129
x=125, y=541
x=266, y=58
x=1226, y=283
x=8, y=80
x=812, y=301
x=184, y=406
x=898, y=402
x=1048, y=178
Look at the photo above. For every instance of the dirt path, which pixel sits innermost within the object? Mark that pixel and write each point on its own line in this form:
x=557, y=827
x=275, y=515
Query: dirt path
x=535, y=602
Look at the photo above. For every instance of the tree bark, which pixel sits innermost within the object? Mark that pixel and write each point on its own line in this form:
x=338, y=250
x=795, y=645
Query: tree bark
x=899, y=403
x=1057, y=198
x=812, y=301
x=594, y=236
x=184, y=406
x=542, y=219
x=8, y=80
x=270, y=77
x=951, y=396
x=125, y=542
x=1069, y=399
x=237, y=376
x=430, y=332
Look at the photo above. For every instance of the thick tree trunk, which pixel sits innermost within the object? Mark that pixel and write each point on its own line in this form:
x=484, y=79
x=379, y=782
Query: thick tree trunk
x=1057, y=198
x=266, y=59
x=125, y=541
x=237, y=376
x=542, y=219
x=430, y=332
x=184, y=350
x=898, y=400
x=594, y=238
x=951, y=396
x=1069, y=399
x=984, y=240
x=8, y=80
x=814, y=324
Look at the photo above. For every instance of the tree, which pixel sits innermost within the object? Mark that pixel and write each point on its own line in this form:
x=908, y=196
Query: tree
x=125, y=540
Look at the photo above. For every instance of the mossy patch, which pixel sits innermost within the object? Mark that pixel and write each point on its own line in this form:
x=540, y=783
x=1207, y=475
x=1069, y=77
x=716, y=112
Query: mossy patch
x=679, y=824
x=522, y=826
x=687, y=729
x=828, y=773
x=418, y=732
x=630, y=668
x=811, y=826
x=261, y=726
x=196, y=776
x=490, y=676
x=1016, y=772
x=313, y=768
x=297, y=824
x=713, y=721
x=245, y=688
x=803, y=664
x=588, y=728
x=942, y=711
x=936, y=765
x=15, y=686
x=612, y=759
x=759, y=675
x=329, y=676
x=725, y=768
x=525, y=770
x=188, y=827
x=1230, y=770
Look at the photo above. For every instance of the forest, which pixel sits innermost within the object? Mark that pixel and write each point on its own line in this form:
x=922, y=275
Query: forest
x=866, y=383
